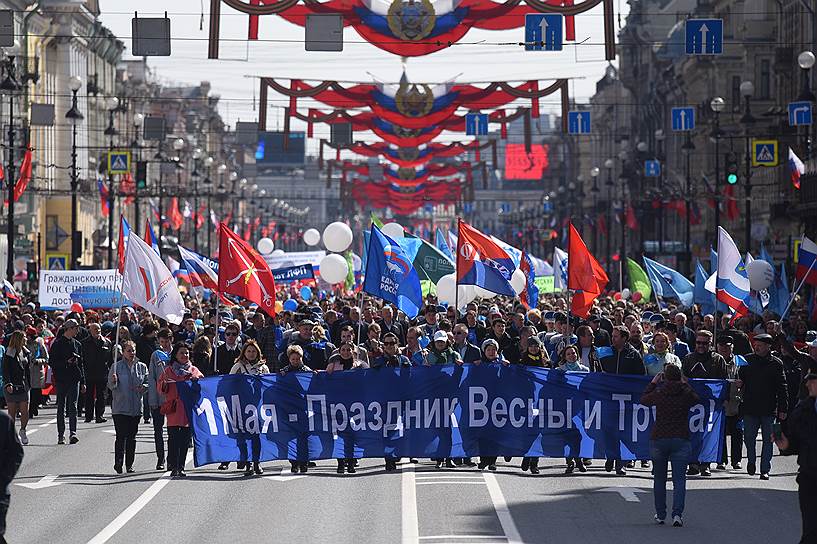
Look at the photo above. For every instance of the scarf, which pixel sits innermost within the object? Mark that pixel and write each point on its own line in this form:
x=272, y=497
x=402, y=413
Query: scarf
x=182, y=370
x=574, y=366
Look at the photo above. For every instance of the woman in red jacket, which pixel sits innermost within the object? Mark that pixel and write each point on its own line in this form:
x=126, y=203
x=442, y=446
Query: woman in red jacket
x=178, y=427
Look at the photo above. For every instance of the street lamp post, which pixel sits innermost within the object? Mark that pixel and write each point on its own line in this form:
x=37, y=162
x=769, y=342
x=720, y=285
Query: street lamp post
x=659, y=141
x=208, y=164
x=806, y=61
x=10, y=86
x=747, y=89
x=197, y=154
x=594, y=189
x=74, y=117
x=717, y=105
x=622, y=181
x=178, y=147
x=688, y=148
x=608, y=164
x=112, y=104
x=138, y=121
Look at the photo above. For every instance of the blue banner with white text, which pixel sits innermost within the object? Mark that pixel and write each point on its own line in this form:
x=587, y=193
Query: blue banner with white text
x=436, y=412
x=293, y=273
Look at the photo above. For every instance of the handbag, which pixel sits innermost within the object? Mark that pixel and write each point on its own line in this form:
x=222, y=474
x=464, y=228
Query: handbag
x=168, y=407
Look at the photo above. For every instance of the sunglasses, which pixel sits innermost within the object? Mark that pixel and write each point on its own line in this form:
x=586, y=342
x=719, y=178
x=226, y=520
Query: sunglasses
x=230, y=334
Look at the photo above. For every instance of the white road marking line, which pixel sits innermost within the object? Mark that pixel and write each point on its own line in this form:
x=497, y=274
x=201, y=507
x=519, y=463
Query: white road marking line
x=410, y=523
x=452, y=482
x=470, y=537
x=135, y=507
x=426, y=476
x=502, y=512
x=41, y=426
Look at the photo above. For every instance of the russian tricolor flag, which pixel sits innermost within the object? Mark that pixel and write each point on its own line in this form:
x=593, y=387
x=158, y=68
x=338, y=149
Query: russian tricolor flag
x=807, y=262
x=730, y=282
x=796, y=167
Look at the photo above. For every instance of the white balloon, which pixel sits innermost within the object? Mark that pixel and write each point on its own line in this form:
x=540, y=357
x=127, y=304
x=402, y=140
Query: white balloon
x=334, y=269
x=466, y=293
x=278, y=252
x=625, y=293
x=337, y=237
x=483, y=293
x=446, y=289
x=761, y=274
x=357, y=263
x=518, y=281
x=265, y=246
x=312, y=237
x=393, y=230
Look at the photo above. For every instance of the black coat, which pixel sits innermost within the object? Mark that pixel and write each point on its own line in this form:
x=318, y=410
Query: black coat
x=15, y=370
x=97, y=358
x=65, y=360
x=802, y=434
x=626, y=361
x=764, y=386
x=226, y=358
x=395, y=328
x=468, y=352
x=11, y=451
x=704, y=366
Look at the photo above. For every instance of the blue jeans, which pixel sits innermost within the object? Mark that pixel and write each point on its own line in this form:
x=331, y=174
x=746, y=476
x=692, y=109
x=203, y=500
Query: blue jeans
x=676, y=451
x=751, y=424
x=67, y=394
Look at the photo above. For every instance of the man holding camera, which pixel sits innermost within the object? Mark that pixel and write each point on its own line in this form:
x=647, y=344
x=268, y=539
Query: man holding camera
x=69, y=378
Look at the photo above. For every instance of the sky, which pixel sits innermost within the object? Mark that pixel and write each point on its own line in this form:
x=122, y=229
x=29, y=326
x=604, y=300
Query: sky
x=282, y=55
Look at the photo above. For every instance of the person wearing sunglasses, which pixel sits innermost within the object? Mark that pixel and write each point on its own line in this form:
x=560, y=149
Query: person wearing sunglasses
x=391, y=358
x=469, y=353
x=128, y=382
x=227, y=352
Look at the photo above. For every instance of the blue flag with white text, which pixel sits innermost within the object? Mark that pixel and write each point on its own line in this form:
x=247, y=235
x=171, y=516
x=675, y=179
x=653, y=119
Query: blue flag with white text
x=390, y=275
x=669, y=283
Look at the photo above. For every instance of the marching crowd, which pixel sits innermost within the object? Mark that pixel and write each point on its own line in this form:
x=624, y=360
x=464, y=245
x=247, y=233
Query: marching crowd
x=90, y=363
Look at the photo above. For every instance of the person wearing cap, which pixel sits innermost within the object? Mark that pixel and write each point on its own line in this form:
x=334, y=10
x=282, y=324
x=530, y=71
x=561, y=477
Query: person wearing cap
x=731, y=407
x=764, y=398
x=441, y=352
x=65, y=359
x=468, y=352
x=600, y=336
x=703, y=363
x=534, y=354
x=800, y=439
x=500, y=336
x=549, y=321
x=490, y=355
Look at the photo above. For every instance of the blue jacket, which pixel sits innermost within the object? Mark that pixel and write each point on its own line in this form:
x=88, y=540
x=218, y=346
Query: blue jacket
x=131, y=384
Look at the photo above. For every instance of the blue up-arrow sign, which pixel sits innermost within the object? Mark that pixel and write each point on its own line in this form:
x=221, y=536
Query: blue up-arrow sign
x=683, y=119
x=543, y=32
x=578, y=122
x=704, y=36
x=800, y=113
x=476, y=124
x=652, y=168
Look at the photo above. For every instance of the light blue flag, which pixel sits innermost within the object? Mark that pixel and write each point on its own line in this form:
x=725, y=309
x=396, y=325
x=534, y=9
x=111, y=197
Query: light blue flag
x=669, y=283
x=442, y=245
x=703, y=297
x=713, y=267
x=390, y=274
x=779, y=293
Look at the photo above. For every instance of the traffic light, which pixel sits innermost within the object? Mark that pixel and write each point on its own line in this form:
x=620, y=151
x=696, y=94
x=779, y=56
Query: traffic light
x=731, y=168
x=141, y=174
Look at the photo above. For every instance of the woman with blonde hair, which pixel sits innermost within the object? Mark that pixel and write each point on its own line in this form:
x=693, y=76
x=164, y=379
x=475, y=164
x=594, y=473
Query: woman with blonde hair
x=250, y=362
x=17, y=380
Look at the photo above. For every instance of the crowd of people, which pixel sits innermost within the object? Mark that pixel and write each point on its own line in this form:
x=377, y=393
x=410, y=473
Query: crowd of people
x=95, y=361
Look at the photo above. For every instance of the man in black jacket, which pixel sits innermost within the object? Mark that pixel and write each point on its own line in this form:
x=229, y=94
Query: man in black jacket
x=227, y=352
x=801, y=440
x=764, y=397
x=469, y=353
x=389, y=325
x=11, y=455
x=96, y=351
x=65, y=360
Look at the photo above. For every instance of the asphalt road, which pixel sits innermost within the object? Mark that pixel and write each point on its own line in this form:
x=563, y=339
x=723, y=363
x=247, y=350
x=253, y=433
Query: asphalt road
x=72, y=494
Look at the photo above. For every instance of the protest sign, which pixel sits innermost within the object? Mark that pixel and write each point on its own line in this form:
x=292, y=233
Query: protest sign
x=59, y=289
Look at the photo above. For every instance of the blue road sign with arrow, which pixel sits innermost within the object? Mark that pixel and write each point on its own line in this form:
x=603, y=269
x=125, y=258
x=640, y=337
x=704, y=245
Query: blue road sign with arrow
x=800, y=113
x=704, y=36
x=683, y=119
x=476, y=124
x=543, y=32
x=652, y=168
x=578, y=122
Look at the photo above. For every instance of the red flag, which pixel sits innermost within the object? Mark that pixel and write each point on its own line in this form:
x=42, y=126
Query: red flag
x=632, y=222
x=243, y=272
x=602, y=224
x=25, y=176
x=732, y=211
x=127, y=188
x=199, y=217
x=174, y=215
x=584, y=275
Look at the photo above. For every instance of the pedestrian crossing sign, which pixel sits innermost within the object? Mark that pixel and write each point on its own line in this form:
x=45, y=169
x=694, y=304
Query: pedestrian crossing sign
x=764, y=153
x=118, y=162
x=56, y=261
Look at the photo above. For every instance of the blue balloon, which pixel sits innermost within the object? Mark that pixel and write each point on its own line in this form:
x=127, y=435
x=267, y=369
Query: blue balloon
x=290, y=305
x=424, y=341
x=306, y=292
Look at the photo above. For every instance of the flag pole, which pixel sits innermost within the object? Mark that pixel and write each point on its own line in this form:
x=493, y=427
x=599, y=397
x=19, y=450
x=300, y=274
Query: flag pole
x=800, y=286
x=569, y=309
x=215, y=305
x=456, y=273
x=121, y=296
x=717, y=276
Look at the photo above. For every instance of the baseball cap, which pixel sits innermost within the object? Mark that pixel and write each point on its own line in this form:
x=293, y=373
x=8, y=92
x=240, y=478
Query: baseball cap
x=765, y=338
x=441, y=335
x=70, y=323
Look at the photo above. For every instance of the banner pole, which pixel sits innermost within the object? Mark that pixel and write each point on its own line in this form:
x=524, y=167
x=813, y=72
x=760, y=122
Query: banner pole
x=717, y=276
x=121, y=297
x=800, y=286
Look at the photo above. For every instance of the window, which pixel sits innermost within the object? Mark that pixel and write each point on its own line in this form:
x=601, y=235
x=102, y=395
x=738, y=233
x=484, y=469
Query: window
x=765, y=80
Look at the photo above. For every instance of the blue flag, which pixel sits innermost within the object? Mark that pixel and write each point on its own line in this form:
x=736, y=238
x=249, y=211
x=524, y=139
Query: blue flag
x=703, y=297
x=779, y=290
x=390, y=276
x=442, y=245
x=669, y=283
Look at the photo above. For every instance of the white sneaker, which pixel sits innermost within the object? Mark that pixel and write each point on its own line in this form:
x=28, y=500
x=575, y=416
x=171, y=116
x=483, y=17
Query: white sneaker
x=677, y=521
x=23, y=437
